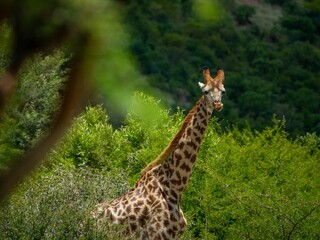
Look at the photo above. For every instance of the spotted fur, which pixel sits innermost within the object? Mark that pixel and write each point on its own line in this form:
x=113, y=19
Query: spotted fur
x=151, y=209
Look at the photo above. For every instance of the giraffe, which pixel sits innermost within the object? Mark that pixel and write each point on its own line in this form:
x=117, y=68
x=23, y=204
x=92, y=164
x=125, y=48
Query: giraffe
x=151, y=209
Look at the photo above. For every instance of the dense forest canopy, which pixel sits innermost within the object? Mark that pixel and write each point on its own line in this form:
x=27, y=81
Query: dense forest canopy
x=257, y=175
x=269, y=50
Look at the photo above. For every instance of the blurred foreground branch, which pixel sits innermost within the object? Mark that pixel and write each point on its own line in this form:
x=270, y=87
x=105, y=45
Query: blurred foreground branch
x=30, y=32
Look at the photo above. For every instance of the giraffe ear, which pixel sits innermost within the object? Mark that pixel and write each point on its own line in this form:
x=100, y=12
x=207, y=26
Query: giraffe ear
x=201, y=85
x=221, y=86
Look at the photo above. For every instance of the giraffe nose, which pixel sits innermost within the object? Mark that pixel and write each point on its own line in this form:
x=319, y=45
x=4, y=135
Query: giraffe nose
x=218, y=105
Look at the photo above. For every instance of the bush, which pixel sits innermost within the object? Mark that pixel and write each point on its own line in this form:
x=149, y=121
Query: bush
x=88, y=142
x=55, y=205
x=246, y=183
x=254, y=185
x=148, y=130
x=243, y=13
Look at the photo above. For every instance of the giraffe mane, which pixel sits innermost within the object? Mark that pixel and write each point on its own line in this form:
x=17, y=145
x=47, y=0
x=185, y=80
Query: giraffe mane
x=167, y=151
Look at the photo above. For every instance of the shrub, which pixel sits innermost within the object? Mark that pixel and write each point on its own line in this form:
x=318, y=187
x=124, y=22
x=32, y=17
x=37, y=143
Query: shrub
x=88, y=142
x=31, y=111
x=254, y=185
x=55, y=204
x=148, y=130
x=246, y=183
x=243, y=13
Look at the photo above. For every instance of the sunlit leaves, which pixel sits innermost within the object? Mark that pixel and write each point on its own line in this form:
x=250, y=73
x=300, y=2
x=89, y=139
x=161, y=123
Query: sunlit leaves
x=245, y=184
x=208, y=10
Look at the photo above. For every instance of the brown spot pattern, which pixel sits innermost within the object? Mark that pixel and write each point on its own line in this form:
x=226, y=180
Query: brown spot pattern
x=151, y=208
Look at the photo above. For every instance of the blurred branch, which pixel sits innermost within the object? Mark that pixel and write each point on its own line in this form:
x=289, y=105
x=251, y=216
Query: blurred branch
x=7, y=86
x=34, y=29
x=77, y=88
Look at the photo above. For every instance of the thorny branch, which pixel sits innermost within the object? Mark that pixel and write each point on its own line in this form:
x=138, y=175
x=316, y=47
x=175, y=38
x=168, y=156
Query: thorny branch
x=302, y=218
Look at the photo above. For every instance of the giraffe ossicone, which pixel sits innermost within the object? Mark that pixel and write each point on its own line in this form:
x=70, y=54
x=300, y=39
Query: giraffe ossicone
x=151, y=209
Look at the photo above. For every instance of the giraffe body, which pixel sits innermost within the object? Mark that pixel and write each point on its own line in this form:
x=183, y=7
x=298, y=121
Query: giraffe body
x=151, y=210
x=149, y=214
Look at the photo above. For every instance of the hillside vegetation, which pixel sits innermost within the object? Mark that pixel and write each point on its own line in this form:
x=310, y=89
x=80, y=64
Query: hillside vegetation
x=269, y=50
x=247, y=184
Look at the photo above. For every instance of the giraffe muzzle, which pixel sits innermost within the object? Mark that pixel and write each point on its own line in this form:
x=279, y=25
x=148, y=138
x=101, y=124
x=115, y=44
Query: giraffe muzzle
x=218, y=106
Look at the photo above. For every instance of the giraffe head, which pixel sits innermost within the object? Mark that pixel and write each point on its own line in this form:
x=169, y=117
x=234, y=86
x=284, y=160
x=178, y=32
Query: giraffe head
x=213, y=88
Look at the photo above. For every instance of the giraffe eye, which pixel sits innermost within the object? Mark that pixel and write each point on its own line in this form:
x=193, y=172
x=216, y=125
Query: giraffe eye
x=206, y=92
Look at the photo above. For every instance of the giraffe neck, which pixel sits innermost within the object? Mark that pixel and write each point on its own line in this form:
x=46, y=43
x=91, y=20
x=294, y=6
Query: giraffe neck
x=179, y=164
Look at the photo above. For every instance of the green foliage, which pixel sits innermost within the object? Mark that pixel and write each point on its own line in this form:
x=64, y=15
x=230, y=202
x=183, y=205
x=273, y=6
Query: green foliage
x=208, y=10
x=243, y=14
x=79, y=147
x=31, y=112
x=299, y=28
x=137, y=143
x=147, y=122
x=55, y=205
x=282, y=55
x=129, y=148
x=254, y=185
x=247, y=184
x=5, y=41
